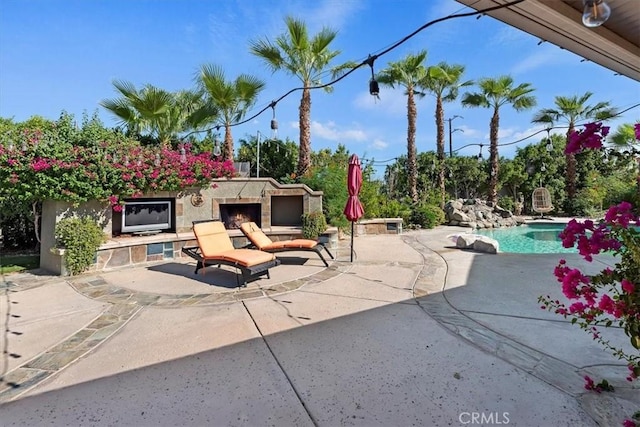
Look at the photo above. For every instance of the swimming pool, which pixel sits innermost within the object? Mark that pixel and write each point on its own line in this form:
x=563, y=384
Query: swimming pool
x=529, y=239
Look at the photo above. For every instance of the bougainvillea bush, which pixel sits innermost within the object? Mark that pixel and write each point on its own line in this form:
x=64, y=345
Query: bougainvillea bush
x=41, y=159
x=612, y=296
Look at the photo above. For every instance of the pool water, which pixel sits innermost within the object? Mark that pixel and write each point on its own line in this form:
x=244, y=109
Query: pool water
x=529, y=239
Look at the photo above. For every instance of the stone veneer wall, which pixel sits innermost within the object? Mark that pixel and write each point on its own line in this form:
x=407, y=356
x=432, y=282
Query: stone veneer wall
x=190, y=205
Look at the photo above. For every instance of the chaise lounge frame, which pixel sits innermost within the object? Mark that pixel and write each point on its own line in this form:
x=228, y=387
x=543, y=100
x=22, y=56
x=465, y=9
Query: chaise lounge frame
x=262, y=242
x=251, y=263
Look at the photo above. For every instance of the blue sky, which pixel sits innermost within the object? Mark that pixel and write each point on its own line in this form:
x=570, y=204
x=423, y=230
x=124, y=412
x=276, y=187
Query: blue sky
x=63, y=55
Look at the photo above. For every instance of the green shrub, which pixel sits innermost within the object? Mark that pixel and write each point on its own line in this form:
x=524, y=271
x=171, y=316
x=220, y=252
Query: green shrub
x=392, y=208
x=507, y=202
x=313, y=225
x=81, y=238
x=426, y=215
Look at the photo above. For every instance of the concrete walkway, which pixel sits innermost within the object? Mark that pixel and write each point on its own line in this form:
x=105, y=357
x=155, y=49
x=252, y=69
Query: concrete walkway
x=414, y=332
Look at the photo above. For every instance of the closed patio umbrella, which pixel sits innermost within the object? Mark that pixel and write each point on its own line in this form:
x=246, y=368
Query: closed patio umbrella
x=353, y=210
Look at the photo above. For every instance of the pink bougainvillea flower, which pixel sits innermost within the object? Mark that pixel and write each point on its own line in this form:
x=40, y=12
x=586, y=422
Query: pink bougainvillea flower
x=590, y=137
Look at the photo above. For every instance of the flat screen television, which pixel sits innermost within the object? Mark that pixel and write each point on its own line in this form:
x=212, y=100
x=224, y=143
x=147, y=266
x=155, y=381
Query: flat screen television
x=147, y=215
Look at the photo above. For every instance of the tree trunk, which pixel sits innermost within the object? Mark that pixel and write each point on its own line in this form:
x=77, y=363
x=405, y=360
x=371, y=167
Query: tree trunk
x=440, y=144
x=228, y=143
x=35, y=210
x=493, y=156
x=412, y=164
x=571, y=176
x=304, y=153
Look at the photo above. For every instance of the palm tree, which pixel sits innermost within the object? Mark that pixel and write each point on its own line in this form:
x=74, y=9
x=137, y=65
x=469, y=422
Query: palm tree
x=624, y=139
x=231, y=98
x=494, y=93
x=411, y=74
x=444, y=82
x=306, y=58
x=161, y=113
x=571, y=109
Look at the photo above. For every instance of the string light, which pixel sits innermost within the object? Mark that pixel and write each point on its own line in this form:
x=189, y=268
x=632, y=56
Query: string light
x=374, y=87
x=549, y=143
x=274, y=122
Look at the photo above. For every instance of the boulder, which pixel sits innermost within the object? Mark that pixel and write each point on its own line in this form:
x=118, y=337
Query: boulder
x=486, y=245
x=466, y=241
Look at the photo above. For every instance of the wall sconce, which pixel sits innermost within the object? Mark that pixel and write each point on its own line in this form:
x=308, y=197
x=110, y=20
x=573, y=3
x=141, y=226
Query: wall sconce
x=596, y=12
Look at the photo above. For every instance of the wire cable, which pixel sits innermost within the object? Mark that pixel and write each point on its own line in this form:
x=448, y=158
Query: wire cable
x=369, y=61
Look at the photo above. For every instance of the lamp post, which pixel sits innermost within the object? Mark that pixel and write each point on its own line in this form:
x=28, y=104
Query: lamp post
x=258, y=155
x=258, y=135
x=450, y=119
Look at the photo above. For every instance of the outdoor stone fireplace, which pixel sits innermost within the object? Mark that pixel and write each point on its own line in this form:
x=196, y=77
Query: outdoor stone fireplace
x=276, y=208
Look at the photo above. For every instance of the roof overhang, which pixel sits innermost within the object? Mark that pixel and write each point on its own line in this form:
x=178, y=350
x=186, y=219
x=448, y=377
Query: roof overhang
x=614, y=45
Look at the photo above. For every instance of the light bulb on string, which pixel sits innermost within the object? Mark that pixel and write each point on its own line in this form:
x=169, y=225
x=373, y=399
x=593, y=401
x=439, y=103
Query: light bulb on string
x=157, y=161
x=183, y=154
x=480, y=154
x=596, y=12
x=374, y=87
x=549, y=145
x=274, y=122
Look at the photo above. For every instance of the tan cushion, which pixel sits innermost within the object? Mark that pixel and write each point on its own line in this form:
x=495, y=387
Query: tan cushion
x=300, y=243
x=212, y=238
x=247, y=257
x=255, y=235
x=215, y=244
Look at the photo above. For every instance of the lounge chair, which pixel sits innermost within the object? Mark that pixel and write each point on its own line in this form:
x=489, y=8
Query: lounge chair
x=262, y=242
x=215, y=248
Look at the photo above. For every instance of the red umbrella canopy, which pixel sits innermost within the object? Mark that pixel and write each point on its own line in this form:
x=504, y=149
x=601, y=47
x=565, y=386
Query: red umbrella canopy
x=353, y=209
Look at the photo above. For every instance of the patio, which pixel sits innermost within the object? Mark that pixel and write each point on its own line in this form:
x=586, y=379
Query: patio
x=373, y=342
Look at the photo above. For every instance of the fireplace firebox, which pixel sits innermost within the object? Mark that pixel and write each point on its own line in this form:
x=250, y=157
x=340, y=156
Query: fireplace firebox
x=233, y=215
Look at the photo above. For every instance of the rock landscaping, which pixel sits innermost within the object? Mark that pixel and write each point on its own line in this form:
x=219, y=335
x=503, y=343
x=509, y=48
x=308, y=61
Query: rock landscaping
x=476, y=213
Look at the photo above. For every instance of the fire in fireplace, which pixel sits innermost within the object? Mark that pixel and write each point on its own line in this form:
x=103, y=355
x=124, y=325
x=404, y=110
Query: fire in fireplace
x=233, y=215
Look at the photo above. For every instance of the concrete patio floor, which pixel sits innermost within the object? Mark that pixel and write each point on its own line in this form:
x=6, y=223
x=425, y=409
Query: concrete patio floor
x=413, y=332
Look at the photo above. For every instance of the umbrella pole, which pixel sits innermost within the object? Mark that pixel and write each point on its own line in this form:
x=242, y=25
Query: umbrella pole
x=351, y=241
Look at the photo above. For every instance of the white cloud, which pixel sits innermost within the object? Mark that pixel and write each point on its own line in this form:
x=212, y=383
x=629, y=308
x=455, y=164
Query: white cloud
x=442, y=8
x=378, y=144
x=508, y=35
x=392, y=102
x=468, y=132
x=331, y=13
x=527, y=136
x=332, y=132
x=544, y=56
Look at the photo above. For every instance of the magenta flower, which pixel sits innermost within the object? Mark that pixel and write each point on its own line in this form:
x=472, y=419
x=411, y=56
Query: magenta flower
x=627, y=286
x=590, y=137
